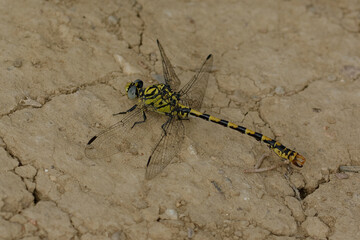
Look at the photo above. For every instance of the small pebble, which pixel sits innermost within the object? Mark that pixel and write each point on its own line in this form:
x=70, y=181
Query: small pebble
x=36, y=63
x=279, y=90
x=119, y=235
x=244, y=223
x=30, y=102
x=331, y=120
x=171, y=213
x=125, y=66
x=350, y=169
x=153, y=57
x=190, y=232
x=342, y=175
x=112, y=20
x=180, y=203
x=192, y=150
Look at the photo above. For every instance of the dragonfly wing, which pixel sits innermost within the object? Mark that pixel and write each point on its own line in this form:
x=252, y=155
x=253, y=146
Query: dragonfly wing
x=192, y=94
x=167, y=147
x=116, y=138
x=169, y=74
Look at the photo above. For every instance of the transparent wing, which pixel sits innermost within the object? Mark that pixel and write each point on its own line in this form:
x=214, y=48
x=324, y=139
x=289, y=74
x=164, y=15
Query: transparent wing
x=117, y=137
x=192, y=94
x=166, y=149
x=169, y=74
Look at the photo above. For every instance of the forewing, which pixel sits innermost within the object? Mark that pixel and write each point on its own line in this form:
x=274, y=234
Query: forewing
x=116, y=138
x=169, y=74
x=192, y=94
x=166, y=149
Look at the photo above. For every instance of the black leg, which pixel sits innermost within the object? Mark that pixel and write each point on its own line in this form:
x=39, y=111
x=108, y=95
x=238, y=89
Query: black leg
x=127, y=111
x=144, y=115
x=163, y=127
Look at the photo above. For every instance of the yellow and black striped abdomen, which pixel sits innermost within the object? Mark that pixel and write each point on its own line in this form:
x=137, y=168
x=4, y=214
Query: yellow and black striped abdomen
x=277, y=147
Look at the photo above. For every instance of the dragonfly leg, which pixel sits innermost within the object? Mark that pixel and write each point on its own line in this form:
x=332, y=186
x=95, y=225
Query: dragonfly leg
x=163, y=127
x=127, y=111
x=138, y=122
x=257, y=168
x=261, y=160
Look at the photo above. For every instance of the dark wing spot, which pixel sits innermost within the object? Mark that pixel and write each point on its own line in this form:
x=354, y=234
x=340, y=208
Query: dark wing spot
x=91, y=140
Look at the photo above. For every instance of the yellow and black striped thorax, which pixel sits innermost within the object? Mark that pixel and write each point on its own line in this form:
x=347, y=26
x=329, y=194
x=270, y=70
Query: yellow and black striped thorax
x=160, y=98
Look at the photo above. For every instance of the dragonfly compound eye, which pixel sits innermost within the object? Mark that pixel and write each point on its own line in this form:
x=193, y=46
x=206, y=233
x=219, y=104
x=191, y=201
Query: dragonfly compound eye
x=138, y=83
x=132, y=92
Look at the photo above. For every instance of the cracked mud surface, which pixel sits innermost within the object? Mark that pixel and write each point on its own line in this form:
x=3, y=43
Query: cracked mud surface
x=288, y=69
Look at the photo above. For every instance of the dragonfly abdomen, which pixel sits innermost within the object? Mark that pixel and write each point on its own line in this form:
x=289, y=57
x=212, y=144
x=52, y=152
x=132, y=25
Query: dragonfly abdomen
x=277, y=147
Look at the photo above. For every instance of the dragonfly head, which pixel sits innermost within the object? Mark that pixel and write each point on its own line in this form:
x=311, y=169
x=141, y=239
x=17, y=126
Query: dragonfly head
x=133, y=88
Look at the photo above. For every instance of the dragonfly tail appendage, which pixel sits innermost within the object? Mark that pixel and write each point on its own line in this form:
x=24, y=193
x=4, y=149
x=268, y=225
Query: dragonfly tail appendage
x=285, y=153
x=299, y=160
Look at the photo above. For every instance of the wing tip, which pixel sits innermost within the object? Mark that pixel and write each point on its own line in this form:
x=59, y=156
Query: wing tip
x=208, y=57
x=148, y=162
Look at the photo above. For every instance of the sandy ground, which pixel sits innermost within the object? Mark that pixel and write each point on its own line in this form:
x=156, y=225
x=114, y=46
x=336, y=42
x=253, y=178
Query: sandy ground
x=289, y=69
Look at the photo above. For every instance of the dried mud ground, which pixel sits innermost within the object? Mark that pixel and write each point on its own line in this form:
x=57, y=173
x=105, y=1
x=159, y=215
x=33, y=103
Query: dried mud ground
x=288, y=69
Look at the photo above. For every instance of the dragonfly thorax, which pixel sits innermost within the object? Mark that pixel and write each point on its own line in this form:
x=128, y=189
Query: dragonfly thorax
x=160, y=98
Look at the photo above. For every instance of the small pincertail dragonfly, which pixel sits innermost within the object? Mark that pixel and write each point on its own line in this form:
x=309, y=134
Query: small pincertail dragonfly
x=177, y=105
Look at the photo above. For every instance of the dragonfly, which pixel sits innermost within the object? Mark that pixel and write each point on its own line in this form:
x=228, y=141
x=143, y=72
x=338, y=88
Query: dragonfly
x=177, y=105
